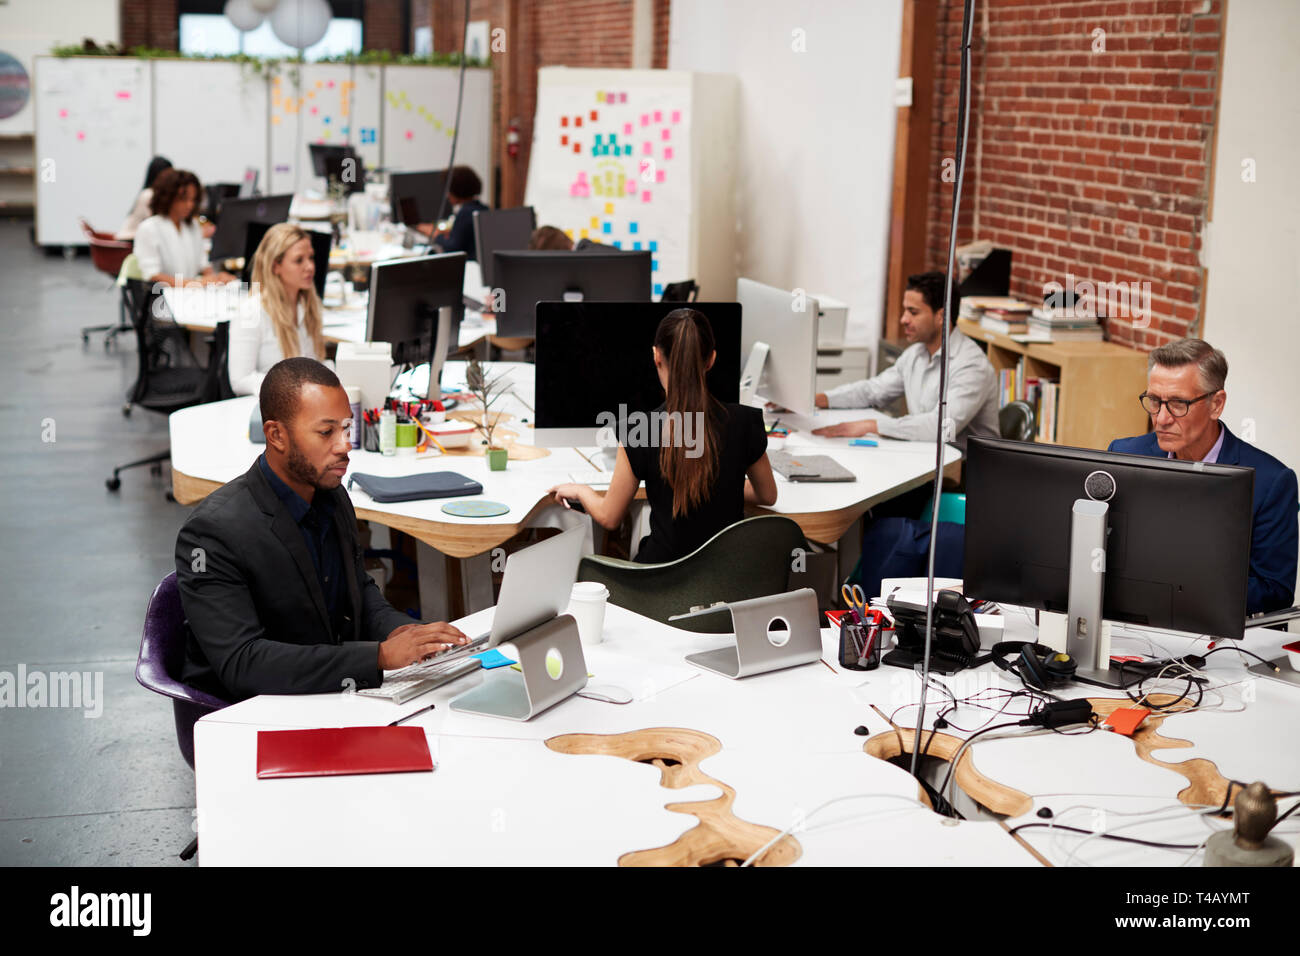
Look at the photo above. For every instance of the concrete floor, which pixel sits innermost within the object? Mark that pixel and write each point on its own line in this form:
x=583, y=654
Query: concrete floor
x=77, y=566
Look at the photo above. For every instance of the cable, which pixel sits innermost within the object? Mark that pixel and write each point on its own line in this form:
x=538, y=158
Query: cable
x=963, y=115
x=952, y=764
x=816, y=810
x=455, y=132
x=1107, y=836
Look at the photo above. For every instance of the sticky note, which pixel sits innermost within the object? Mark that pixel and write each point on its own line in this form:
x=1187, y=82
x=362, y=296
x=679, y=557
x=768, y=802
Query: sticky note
x=606, y=229
x=275, y=121
x=636, y=246
x=645, y=195
x=677, y=116
x=659, y=116
x=80, y=134
x=319, y=84
x=569, y=233
x=582, y=234
x=627, y=129
x=63, y=114
x=659, y=288
x=659, y=175
x=630, y=187
x=577, y=121
x=564, y=141
x=668, y=152
x=666, y=134
x=123, y=94
x=622, y=97
x=593, y=116
x=564, y=121
x=617, y=244
x=654, y=265
x=330, y=84
x=611, y=98
x=493, y=658
x=313, y=111
x=647, y=149
x=609, y=209
x=410, y=134
x=326, y=120
x=654, y=246
x=577, y=147
x=595, y=222
x=600, y=96
x=645, y=119
x=598, y=135
x=632, y=227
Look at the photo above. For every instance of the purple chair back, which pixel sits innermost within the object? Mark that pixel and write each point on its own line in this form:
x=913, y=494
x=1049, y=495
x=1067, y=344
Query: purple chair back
x=162, y=654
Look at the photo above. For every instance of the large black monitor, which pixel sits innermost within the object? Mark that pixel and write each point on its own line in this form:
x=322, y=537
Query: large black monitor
x=1177, y=534
x=504, y=229
x=320, y=250
x=415, y=196
x=593, y=357
x=333, y=161
x=406, y=297
x=236, y=214
x=527, y=277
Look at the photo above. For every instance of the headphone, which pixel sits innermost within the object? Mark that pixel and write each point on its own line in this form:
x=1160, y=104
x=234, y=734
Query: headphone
x=1037, y=665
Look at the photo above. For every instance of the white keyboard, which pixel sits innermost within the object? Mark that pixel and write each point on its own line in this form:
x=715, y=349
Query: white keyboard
x=593, y=478
x=421, y=678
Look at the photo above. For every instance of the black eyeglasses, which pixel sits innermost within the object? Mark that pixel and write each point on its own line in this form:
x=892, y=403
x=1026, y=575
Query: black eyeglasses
x=1178, y=407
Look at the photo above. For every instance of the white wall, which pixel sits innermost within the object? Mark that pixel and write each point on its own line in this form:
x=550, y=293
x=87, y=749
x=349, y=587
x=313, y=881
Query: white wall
x=816, y=138
x=1252, y=305
x=31, y=27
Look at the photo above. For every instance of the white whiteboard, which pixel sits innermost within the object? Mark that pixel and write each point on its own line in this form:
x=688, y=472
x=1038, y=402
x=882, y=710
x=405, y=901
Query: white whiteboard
x=327, y=103
x=419, y=116
x=93, y=143
x=210, y=118
x=611, y=161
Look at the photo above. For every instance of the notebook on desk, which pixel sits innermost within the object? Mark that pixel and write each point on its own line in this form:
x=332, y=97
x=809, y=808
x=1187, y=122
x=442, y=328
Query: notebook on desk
x=795, y=467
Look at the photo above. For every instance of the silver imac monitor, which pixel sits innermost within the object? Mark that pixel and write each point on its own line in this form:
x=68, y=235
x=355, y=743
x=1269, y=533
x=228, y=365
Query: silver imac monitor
x=786, y=322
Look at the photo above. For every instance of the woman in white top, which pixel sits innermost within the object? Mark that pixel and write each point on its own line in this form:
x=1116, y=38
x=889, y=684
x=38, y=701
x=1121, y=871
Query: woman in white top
x=282, y=318
x=141, y=210
x=169, y=244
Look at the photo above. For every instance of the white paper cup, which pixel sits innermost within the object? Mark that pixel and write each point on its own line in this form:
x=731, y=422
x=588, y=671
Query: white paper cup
x=587, y=605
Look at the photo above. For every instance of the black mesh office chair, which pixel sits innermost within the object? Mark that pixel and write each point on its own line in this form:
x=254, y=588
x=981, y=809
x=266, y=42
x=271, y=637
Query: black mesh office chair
x=169, y=378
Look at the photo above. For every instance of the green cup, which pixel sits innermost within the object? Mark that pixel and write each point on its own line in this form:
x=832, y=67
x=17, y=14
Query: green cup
x=407, y=438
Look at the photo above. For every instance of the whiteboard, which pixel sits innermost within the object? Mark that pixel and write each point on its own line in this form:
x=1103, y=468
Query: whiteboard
x=322, y=103
x=93, y=143
x=611, y=161
x=419, y=114
x=210, y=118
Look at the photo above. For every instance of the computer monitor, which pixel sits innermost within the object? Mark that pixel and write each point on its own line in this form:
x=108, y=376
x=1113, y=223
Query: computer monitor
x=407, y=302
x=320, y=249
x=248, y=187
x=236, y=214
x=340, y=163
x=1094, y=534
x=595, y=357
x=784, y=325
x=215, y=196
x=527, y=277
x=504, y=229
x=424, y=190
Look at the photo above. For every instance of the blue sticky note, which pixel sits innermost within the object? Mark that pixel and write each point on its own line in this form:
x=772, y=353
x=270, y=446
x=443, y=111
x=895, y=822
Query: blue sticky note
x=654, y=265
x=627, y=150
x=659, y=288
x=597, y=139
x=631, y=227
x=606, y=229
x=636, y=246
x=617, y=244
x=326, y=121
x=493, y=658
x=654, y=246
x=865, y=442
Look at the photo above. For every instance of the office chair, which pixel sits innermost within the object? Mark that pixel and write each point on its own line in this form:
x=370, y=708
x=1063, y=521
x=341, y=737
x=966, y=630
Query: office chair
x=684, y=291
x=751, y=558
x=107, y=255
x=1016, y=421
x=167, y=381
x=158, y=668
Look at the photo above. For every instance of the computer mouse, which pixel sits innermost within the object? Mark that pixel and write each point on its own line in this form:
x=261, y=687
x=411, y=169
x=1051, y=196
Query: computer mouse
x=606, y=694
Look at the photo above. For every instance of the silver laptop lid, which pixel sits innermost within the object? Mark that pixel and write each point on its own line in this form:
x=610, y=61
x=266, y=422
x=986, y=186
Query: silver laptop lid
x=536, y=586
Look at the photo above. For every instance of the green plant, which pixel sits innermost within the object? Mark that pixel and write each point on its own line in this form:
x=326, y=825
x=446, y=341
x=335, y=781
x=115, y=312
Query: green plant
x=269, y=65
x=486, y=390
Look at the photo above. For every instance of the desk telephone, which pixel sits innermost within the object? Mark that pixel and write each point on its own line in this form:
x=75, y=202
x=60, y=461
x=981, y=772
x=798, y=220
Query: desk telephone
x=956, y=635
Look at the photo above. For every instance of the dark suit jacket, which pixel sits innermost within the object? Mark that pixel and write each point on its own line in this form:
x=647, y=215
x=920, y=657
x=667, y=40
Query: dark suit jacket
x=1273, y=535
x=253, y=604
x=460, y=237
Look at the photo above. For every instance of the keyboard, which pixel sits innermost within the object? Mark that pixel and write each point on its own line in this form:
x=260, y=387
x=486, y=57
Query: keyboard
x=593, y=478
x=421, y=678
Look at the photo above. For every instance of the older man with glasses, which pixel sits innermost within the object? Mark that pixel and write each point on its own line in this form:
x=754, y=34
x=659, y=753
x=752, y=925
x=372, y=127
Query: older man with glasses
x=1185, y=399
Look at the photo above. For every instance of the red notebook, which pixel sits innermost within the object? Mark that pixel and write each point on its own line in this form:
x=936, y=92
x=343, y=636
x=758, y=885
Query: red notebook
x=330, y=751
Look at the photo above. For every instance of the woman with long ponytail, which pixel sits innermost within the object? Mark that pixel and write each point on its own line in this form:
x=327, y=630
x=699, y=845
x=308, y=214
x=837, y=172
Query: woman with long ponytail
x=282, y=318
x=702, y=460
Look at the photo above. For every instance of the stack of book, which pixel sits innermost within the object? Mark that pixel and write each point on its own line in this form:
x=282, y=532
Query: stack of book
x=1063, y=325
x=997, y=313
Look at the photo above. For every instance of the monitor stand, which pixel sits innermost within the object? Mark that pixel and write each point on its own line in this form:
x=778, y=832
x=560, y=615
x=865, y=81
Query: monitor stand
x=753, y=373
x=759, y=648
x=551, y=668
x=1083, y=626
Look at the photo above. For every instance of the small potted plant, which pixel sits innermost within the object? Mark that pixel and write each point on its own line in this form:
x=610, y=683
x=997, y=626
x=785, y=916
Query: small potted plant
x=486, y=390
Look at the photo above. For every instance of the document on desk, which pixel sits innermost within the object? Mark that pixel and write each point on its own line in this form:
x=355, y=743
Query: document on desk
x=337, y=751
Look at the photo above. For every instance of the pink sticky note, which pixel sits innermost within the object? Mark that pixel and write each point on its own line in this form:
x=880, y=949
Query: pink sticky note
x=677, y=116
x=630, y=187
x=668, y=152
x=627, y=129
x=314, y=111
x=330, y=85
x=63, y=114
x=410, y=135
x=647, y=149
x=582, y=177
x=666, y=134
x=659, y=116
x=622, y=97
x=659, y=175
x=611, y=98
x=123, y=94
x=645, y=195
x=575, y=189
x=80, y=135
x=645, y=119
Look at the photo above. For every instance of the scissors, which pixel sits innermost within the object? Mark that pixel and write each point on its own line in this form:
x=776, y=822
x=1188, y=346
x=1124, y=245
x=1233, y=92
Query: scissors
x=856, y=599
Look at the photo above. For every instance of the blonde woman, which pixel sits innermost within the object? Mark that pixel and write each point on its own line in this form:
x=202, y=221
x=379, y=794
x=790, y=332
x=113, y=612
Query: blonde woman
x=282, y=319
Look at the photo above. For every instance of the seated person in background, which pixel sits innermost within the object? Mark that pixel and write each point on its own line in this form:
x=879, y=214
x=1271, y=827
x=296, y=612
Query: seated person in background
x=275, y=595
x=462, y=193
x=282, y=319
x=169, y=244
x=141, y=211
x=1185, y=399
x=549, y=237
x=698, y=475
x=972, y=383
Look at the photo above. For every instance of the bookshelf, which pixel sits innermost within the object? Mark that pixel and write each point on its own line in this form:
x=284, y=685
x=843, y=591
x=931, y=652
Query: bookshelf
x=1099, y=383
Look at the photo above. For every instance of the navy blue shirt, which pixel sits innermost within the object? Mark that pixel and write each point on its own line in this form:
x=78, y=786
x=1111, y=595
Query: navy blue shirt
x=316, y=522
x=460, y=238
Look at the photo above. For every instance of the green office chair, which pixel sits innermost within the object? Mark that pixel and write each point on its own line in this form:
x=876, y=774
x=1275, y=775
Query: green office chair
x=1016, y=421
x=750, y=559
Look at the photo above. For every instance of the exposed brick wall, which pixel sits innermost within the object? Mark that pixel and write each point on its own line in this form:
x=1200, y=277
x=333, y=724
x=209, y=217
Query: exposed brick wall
x=1095, y=164
x=661, y=16
x=382, y=28
x=151, y=23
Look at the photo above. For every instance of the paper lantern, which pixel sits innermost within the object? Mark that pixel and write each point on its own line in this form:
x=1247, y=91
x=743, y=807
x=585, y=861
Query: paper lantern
x=300, y=23
x=243, y=15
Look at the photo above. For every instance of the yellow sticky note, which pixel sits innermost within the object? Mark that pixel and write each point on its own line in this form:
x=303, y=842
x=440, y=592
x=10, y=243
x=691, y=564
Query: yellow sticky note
x=600, y=96
x=581, y=235
x=609, y=209
x=595, y=223
x=569, y=233
x=275, y=121
x=319, y=84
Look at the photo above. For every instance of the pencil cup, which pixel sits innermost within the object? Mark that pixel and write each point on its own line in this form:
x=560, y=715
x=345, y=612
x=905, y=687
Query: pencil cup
x=852, y=641
x=587, y=605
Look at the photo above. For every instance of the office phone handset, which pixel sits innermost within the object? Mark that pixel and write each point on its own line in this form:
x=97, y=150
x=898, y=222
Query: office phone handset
x=956, y=635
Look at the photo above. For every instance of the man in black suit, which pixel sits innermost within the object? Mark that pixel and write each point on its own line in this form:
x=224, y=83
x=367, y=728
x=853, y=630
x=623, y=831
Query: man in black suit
x=276, y=597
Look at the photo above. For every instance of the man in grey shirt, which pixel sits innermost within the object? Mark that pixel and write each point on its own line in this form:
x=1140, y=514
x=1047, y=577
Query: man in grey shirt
x=972, y=383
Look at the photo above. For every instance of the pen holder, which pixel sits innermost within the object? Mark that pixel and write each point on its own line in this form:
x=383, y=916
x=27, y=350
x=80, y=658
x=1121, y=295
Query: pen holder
x=861, y=645
x=370, y=437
